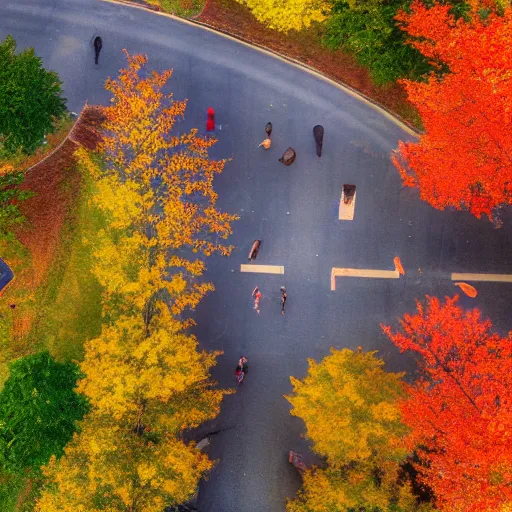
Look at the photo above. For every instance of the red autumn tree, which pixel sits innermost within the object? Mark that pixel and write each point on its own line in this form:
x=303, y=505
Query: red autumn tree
x=464, y=158
x=460, y=409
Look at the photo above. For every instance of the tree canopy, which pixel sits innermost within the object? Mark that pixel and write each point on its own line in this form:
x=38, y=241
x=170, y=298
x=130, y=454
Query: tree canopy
x=144, y=376
x=349, y=405
x=367, y=29
x=464, y=158
x=39, y=410
x=144, y=390
x=286, y=15
x=30, y=99
x=459, y=411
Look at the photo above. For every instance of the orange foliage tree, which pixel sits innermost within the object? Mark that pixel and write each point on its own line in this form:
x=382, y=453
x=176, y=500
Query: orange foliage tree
x=459, y=411
x=157, y=187
x=464, y=158
x=173, y=172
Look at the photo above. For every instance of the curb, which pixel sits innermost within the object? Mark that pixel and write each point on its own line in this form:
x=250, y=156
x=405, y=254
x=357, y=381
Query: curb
x=412, y=130
x=67, y=137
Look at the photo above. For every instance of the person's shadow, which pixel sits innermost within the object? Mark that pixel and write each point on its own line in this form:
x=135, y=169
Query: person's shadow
x=98, y=44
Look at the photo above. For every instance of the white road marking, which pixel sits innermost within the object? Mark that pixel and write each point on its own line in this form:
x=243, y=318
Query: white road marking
x=346, y=211
x=361, y=272
x=496, y=278
x=262, y=269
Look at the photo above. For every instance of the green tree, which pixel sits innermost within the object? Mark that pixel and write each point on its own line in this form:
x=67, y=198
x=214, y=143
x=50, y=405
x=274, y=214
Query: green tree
x=350, y=407
x=368, y=30
x=30, y=99
x=146, y=384
x=38, y=411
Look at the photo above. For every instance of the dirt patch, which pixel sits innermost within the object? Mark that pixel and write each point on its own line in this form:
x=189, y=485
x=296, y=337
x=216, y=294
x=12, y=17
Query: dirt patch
x=55, y=184
x=306, y=47
x=24, y=494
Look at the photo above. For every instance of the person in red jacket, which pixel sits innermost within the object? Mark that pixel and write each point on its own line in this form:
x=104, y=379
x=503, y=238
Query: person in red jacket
x=257, y=296
x=210, y=122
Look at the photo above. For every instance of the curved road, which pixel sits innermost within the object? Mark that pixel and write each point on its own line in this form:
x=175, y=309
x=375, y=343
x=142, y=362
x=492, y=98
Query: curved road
x=294, y=210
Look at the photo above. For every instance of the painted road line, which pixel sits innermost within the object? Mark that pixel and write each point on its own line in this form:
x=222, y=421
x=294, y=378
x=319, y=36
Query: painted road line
x=346, y=211
x=496, y=278
x=361, y=272
x=263, y=269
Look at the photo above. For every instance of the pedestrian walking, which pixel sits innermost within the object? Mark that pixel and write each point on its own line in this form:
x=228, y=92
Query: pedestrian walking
x=255, y=249
x=268, y=129
x=257, y=296
x=288, y=157
x=318, y=134
x=283, y=299
x=265, y=144
x=210, y=121
x=98, y=44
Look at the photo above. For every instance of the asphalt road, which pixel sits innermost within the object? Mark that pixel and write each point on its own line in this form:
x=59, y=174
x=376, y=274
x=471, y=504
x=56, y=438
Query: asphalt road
x=6, y=274
x=292, y=209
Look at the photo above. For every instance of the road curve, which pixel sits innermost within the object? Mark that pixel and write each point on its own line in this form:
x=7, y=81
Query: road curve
x=293, y=210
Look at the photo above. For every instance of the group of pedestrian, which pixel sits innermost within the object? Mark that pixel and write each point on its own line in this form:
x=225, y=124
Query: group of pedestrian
x=267, y=142
x=289, y=155
x=256, y=295
x=241, y=369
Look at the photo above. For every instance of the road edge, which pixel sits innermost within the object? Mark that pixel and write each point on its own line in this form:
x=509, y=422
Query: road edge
x=389, y=114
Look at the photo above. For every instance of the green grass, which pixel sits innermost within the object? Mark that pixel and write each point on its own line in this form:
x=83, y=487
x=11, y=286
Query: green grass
x=18, y=493
x=69, y=305
x=68, y=309
x=183, y=8
x=17, y=256
x=11, y=487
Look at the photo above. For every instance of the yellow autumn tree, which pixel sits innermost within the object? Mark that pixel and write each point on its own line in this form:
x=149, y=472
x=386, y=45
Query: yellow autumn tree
x=111, y=467
x=144, y=389
x=349, y=406
x=173, y=173
x=136, y=374
x=145, y=379
x=286, y=15
x=157, y=188
x=131, y=263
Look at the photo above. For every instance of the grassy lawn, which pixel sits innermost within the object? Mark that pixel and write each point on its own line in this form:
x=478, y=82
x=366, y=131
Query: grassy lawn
x=63, y=311
x=69, y=304
x=183, y=8
x=66, y=311
x=10, y=488
x=18, y=493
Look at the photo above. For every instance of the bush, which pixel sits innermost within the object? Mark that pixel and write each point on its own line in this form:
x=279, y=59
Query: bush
x=38, y=411
x=30, y=99
x=371, y=34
